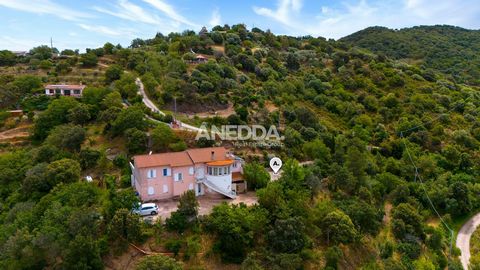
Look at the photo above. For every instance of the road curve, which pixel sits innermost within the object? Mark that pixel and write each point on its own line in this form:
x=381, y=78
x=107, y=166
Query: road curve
x=145, y=99
x=463, y=238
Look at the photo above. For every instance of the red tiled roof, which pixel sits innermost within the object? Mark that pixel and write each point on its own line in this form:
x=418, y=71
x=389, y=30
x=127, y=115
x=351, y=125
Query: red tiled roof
x=65, y=86
x=184, y=158
x=173, y=159
x=200, y=56
x=200, y=155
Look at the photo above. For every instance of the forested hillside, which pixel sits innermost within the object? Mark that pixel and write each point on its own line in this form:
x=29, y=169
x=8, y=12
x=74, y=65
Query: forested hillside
x=452, y=50
x=391, y=144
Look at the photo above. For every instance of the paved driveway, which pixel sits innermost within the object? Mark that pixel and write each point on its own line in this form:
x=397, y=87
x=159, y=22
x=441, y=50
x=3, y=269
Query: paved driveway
x=166, y=207
x=463, y=238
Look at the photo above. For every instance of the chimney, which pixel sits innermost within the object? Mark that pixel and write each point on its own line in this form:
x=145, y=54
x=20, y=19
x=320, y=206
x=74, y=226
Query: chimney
x=213, y=155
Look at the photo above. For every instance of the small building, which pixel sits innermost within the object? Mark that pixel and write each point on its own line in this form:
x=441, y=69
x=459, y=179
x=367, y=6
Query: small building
x=73, y=90
x=20, y=53
x=200, y=58
x=15, y=113
x=207, y=171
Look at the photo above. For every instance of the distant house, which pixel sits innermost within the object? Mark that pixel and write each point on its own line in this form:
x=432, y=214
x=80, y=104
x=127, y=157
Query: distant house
x=20, y=53
x=73, y=90
x=200, y=58
x=207, y=171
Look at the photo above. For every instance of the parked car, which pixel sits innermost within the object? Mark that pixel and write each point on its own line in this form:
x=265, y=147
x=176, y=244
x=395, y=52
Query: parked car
x=146, y=209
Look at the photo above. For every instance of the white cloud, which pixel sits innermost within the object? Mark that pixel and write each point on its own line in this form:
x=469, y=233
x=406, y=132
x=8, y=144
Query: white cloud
x=170, y=12
x=103, y=30
x=131, y=12
x=45, y=7
x=216, y=18
x=283, y=13
x=354, y=15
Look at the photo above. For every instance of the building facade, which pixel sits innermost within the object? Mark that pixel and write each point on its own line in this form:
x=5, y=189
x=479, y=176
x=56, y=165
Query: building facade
x=64, y=90
x=204, y=170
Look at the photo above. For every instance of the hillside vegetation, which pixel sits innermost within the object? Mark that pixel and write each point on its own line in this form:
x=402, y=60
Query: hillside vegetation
x=452, y=50
x=368, y=122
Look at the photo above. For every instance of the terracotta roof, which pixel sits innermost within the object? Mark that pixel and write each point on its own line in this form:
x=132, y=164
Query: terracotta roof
x=220, y=162
x=200, y=155
x=65, y=86
x=184, y=158
x=237, y=177
x=173, y=159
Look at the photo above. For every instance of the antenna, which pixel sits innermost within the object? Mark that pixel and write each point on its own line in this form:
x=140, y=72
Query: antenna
x=51, y=43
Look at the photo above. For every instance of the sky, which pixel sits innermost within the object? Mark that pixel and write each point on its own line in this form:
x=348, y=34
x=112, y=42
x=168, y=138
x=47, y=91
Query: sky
x=89, y=24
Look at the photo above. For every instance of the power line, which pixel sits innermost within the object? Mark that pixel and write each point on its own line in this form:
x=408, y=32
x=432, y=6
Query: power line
x=417, y=174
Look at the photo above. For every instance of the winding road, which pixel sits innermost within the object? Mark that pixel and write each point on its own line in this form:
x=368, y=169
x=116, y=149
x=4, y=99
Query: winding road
x=149, y=103
x=463, y=238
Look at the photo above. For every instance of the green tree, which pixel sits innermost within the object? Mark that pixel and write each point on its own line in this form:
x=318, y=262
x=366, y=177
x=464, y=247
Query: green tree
x=256, y=175
x=158, y=262
x=188, y=205
x=316, y=149
x=162, y=136
x=43, y=52
x=337, y=227
x=406, y=220
x=287, y=236
x=125, y=225
x=79, y=115
x=113, y=73
x=186, y=213
x=83, y=253
x=89, y=59
x=62, y=171
x=68, y=137
x=56, y=114
x=236, y=227
x=136, y=141
x=132, y=117
x=88, y=158
x=7, y=58
x=108, y=48
x=332, y=256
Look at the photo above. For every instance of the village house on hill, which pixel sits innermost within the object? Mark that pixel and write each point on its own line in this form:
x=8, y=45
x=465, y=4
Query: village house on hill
x=74, y=90
x=208, y=171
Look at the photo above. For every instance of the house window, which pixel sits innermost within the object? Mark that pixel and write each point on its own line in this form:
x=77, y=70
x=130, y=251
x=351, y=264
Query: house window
x=178, y=177
x=165, y=172
x=151, y=174
x=234, y=164
x=151, y=191
x=76, y=92
x=191, y=170
x=51, y=91
x=190, y=187
x=210, y=171
x=58, y=91
x=66, y=92
x=227, y=170
x=165, y=189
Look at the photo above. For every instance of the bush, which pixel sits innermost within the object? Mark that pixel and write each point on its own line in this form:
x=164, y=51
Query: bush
x=256, y=175
x=174, y=246
x=158, y=262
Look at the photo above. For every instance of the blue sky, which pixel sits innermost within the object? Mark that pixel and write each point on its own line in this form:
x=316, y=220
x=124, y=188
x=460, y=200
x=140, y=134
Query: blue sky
x=88, y=24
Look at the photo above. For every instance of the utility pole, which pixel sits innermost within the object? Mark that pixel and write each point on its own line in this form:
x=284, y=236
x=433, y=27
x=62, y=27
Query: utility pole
x=175, y=108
